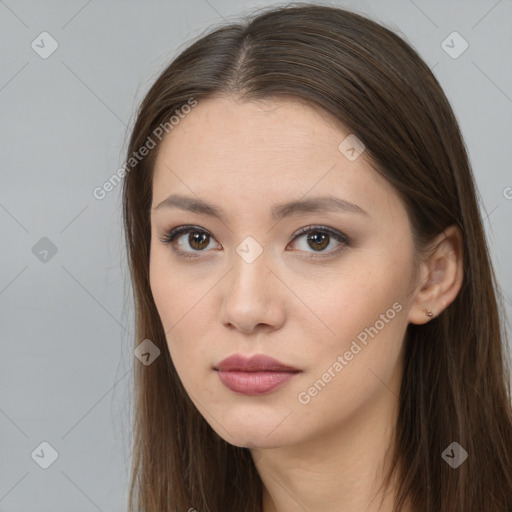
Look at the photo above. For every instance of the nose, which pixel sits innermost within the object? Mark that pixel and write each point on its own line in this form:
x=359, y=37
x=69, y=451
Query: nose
x=253, y=296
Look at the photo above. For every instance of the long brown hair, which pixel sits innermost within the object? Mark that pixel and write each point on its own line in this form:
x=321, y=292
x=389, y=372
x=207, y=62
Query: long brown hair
x=456, y=381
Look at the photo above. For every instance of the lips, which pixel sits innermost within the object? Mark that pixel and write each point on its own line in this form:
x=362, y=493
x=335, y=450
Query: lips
x=256, y=363
x=256, y=375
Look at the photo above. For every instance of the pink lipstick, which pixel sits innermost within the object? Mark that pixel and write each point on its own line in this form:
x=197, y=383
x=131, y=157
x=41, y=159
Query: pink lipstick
x=254, y=375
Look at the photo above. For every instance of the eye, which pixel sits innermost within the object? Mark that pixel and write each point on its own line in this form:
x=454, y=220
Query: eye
x=198, y=239
x=318, y=238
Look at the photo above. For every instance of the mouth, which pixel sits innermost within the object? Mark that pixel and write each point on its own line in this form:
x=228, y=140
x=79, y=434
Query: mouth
x=256, y=375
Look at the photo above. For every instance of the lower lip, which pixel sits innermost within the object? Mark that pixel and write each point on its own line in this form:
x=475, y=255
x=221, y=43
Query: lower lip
x=254, y=383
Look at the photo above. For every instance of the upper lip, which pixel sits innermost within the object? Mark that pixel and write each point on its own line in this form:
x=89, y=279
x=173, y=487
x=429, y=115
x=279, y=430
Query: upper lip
x=259, y=362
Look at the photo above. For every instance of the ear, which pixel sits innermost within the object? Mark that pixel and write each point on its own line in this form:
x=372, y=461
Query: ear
x=440, y=276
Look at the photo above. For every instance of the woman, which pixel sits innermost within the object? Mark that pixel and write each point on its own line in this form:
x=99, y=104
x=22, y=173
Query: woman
x=308, y=255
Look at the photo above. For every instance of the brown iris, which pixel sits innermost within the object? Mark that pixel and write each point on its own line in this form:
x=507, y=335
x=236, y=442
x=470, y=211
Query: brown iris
x=324, y=241
x=201, y=239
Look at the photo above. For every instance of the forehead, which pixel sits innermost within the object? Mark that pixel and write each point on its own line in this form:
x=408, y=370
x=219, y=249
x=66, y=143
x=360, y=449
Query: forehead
x=269, y=128
x=273, y=149
x=227, y=136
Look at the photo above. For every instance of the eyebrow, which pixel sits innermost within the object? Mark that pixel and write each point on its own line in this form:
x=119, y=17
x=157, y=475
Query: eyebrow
x=317, y=204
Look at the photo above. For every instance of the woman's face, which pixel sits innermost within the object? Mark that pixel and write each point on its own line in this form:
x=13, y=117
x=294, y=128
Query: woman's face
x=331, y=302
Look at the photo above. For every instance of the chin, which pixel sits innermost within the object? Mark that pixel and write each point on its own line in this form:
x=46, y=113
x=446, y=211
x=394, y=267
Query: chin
x=255, y=429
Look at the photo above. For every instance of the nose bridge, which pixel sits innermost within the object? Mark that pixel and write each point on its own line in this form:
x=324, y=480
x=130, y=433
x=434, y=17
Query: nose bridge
x=250, y=297
x=250, y=267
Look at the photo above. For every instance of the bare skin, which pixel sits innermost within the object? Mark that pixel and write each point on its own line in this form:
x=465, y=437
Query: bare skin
x=315, y=448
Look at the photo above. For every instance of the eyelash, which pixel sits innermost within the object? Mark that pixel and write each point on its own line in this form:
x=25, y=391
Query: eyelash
x=170, y=236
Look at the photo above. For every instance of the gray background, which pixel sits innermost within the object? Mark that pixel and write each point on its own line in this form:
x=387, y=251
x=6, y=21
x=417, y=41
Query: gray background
x=66, y=324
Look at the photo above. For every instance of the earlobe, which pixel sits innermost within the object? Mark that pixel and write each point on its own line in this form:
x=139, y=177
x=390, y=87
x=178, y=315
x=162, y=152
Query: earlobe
x=428, y=312
x=441, y=277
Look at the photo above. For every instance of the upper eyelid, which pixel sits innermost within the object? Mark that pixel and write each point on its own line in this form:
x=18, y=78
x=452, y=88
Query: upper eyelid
x=184, y=229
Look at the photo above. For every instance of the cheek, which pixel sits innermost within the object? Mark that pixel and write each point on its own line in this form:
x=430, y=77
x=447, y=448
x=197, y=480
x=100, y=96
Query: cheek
x=164, y=287
x=365, y=307
x=182, y=304
x=176, y=291
x=350, y=369
x=365, y=291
